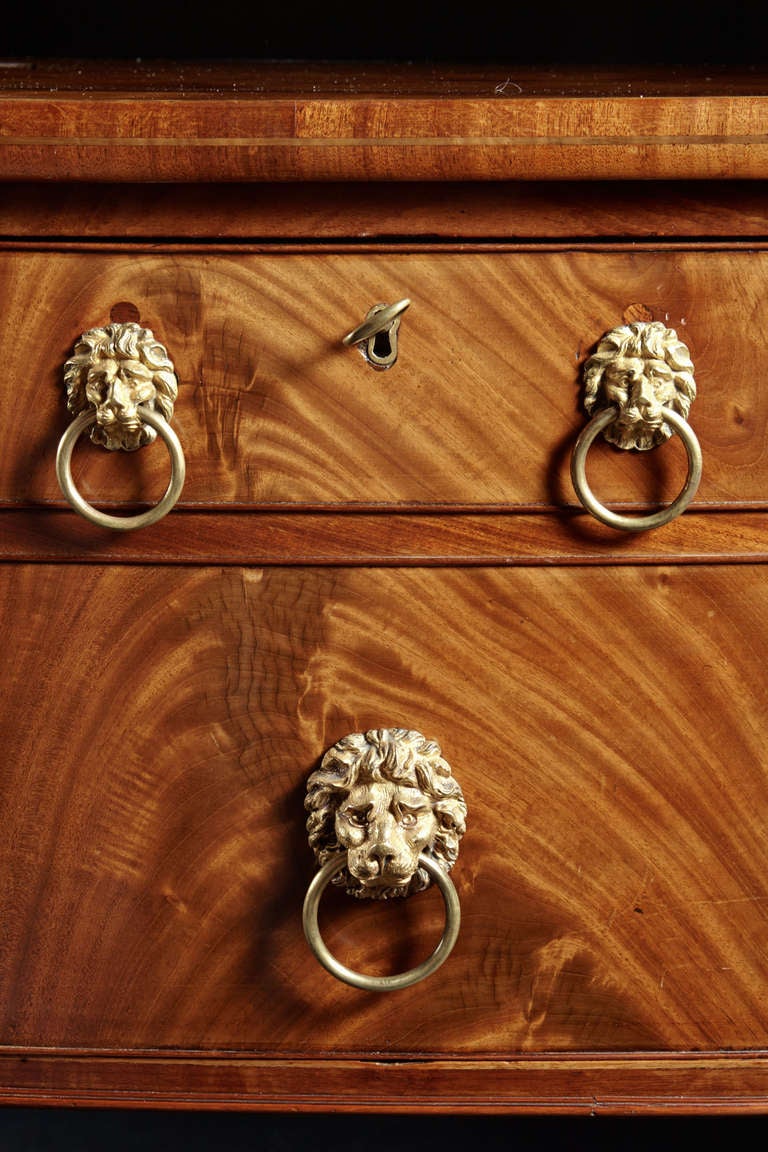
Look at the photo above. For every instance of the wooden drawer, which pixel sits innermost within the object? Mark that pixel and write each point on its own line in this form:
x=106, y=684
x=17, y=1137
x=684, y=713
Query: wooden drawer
x=480, y=411
x=611, y=878
x=607, y=726
x=478, y=417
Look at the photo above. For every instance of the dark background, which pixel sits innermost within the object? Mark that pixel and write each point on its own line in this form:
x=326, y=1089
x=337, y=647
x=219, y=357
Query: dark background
x=40, y=1130
x=591, y=34
x=546, y=33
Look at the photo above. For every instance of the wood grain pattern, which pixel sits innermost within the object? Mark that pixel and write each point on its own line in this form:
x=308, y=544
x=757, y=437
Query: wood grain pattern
x=613, y=874
x=484, y=125
x=356, y=549
x=482, y=407
x=724, y=1083
x=385, y=538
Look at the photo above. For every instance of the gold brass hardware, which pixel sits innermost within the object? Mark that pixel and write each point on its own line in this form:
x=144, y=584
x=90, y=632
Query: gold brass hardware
x=386, y=817
x=638, y=389
x=376, y=337
x=122, y=385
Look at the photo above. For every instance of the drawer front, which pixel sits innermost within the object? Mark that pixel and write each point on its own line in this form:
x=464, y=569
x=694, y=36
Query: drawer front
x=608, y=728
x=481, y=409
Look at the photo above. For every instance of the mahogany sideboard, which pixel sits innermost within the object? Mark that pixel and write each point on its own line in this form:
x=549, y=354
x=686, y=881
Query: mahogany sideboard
x=354, y=550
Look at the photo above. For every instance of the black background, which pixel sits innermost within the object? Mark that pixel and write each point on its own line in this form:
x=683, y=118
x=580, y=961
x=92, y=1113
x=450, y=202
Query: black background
x=59, y=1130
x=592, y=34
x=588, y=33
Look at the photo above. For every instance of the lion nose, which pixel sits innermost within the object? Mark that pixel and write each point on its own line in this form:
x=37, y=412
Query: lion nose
x=643, y=395
x=382, y=851
x=383, y=854
x=118, y=401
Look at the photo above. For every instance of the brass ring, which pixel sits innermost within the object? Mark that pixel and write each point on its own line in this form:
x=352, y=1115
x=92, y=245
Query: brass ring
x=103, y=519
x=379, y=322
x=634, y=523
x=381, y=983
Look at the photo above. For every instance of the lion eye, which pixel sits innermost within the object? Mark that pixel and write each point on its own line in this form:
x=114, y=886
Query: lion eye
x=408, y=818
x=357, y=817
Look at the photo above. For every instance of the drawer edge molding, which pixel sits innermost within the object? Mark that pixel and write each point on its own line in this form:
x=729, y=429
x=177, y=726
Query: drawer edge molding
x=650, y=1083
x=300, y=539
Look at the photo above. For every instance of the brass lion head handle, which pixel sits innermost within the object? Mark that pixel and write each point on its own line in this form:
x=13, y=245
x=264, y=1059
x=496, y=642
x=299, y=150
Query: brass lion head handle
x=122, y=385
x=638, y=389
x=386, y=817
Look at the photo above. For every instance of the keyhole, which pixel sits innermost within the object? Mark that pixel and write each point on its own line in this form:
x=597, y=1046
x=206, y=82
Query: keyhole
x=382, y=345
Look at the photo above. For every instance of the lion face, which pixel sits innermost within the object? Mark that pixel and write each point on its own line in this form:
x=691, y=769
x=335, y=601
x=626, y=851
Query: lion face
x=384, y=828
x=117, y=370
x=383, y=797
x=639, y=388
x=116, y=389
x=640, y=369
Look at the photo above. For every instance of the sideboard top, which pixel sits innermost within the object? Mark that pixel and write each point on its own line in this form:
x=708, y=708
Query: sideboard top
x=159, y=121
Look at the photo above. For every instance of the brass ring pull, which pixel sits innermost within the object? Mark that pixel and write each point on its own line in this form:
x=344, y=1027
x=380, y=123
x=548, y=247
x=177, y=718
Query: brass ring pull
x=639, y=388
x=634, y=523
x=385, y=820
x=103, y=519
x=381, y=983
x=122, y=385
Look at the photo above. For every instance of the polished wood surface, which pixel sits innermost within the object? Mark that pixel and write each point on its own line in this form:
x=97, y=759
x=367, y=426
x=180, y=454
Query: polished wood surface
x=608, y=728
x=358, y=549
x=385, y=538
x=722, y=1083
x=482, y=408
x=66, y=122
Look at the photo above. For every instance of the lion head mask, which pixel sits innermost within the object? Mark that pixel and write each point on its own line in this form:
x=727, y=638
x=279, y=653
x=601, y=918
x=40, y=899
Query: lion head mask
x=383, y=797
x=117, y=370
x=641, y=368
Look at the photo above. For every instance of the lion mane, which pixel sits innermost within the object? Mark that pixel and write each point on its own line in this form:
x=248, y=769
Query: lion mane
x=116, y=343
x=397, y=755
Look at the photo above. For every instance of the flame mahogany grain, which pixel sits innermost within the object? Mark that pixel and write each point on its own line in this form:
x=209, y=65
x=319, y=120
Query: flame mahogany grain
x=357, y=549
